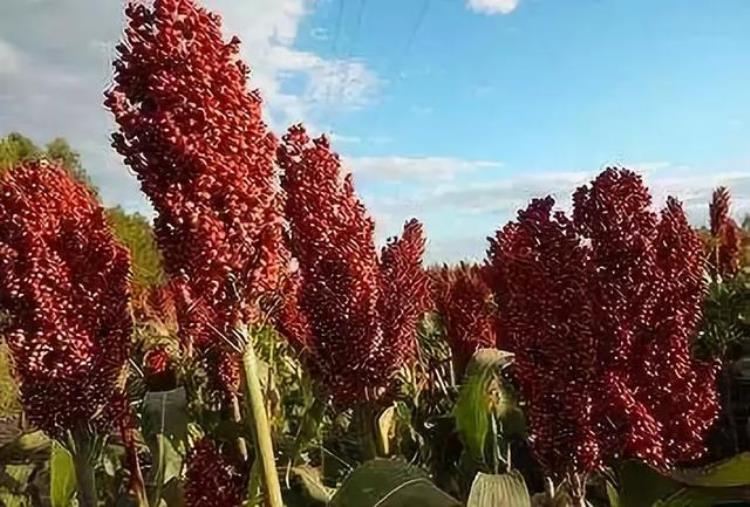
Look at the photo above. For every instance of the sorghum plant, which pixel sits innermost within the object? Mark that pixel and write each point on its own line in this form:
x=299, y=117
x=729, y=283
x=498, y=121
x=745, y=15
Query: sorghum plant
x=64, y=287
x=193, y=134
x=725, y=332
x=352, y=315
x=464, y=302
x=601, y=311
x=724, y=245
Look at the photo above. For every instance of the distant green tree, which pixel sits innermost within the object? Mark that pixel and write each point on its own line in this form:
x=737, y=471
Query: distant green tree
x=135, y=232
x=58, y=149
x=15, y=148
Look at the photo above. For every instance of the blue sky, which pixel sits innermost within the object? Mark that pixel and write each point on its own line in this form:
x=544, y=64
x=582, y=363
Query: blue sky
x=454, y=111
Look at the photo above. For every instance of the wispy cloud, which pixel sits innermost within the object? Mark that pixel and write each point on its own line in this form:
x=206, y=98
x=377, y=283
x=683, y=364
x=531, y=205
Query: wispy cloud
x=479, y=209
x=493, y=6
x=404, y=169
x=296, y=85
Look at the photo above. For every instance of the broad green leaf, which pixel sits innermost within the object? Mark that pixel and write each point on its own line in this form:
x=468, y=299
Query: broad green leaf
x=732, y=472
x=390, y=483
x=166, y=412
x=165, y=424
x=62, y=476
x=642, y=486
x=474, y=406
x=506, y=490
x=707, y=497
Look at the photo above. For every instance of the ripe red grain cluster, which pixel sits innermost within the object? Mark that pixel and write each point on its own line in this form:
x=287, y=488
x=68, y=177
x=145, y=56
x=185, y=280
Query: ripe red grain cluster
x=464, y=302
x=352, y=314
x=725, y=246
x=192, y=132
x=600, y=312
x=65, y=294
x=212, y=479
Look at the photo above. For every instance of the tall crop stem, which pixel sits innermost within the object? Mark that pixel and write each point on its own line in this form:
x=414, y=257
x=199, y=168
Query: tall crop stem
x=261, y=428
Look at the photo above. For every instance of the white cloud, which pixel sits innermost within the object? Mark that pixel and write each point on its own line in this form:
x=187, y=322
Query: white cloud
x=396, y=168
x=54, y=87
x=493, y=6
x=337, y=139
x=504, y=197
x=268, y=29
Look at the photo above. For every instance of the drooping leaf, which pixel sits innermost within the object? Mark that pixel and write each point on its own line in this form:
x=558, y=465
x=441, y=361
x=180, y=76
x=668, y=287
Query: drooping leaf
x=474, y=406
x=390, y=483
x=27, y=446
x=62, y=476
x=385, y=428
x=315, y=492
x=505, y=490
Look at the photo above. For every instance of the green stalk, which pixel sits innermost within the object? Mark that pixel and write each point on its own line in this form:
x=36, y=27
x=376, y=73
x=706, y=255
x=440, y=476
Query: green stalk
x=262, y=431
x=364, y=419
x=85, y=452
x=86, y=482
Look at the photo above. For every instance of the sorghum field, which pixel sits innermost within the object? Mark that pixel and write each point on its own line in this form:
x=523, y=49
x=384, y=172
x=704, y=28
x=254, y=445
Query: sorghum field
x=251, y=345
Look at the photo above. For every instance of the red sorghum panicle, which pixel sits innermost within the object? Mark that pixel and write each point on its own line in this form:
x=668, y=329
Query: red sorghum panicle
x=464, y=302
x=614, y=215
x=680, y=389
x=404, y=293
x=354, y=316
x=64, y=287
x=546, y=321
x=725, y=245
x=631, y=283
x=212, y=478
x=193, y=134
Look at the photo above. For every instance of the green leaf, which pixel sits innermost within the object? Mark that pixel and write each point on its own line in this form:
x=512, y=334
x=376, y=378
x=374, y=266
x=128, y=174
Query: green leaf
x=165, y=424
x=14, y=481
x=727, y=481
x=24, y=447
x=474, y=406
x=732, y=472
x=613, y=495
x=313, y=491
x=506, y=490
x=642, y=486
x=15, y=478
x=388, y=483
x=62, y=476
